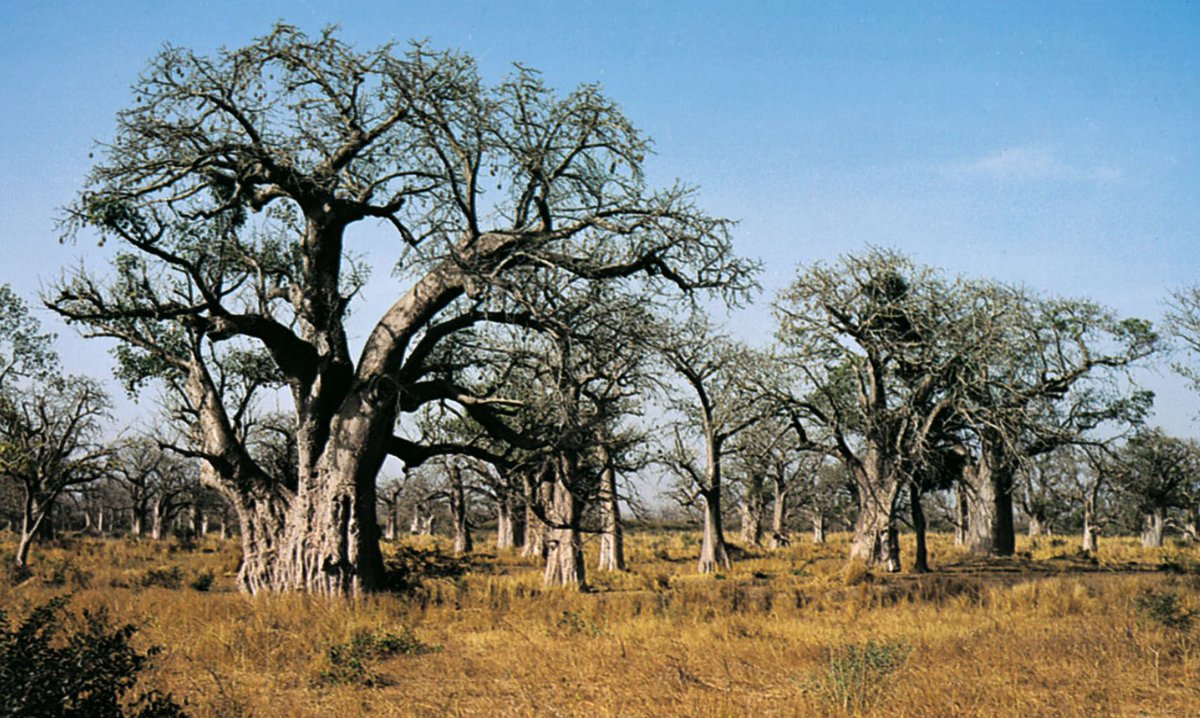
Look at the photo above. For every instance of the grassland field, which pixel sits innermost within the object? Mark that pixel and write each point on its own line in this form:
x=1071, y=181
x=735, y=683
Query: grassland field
x=788, y=632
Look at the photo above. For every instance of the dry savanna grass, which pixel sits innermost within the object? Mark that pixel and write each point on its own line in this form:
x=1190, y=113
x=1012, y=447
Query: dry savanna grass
x=792, y=632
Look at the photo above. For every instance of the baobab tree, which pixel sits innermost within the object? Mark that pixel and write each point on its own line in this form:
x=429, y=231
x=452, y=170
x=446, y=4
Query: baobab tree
x=717, y=400
x=1153, y=472
x=878, y=345
x=229, y=192
x=1057, y=370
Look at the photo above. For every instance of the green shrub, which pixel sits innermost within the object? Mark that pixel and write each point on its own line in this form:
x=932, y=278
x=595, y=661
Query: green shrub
x=163, y=577
x=1164, y=609
x=49, y=670
x=354, y=661
x=855, y=675
x=203, y=581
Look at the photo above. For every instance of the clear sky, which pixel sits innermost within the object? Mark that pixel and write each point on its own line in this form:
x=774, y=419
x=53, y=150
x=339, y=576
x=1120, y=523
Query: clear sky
x=1051, y=144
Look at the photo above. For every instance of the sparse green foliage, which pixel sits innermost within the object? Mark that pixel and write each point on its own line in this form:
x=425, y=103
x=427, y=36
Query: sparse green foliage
x=355, y=660
x=50, y=671
x=856, y=675
x=1165, y=609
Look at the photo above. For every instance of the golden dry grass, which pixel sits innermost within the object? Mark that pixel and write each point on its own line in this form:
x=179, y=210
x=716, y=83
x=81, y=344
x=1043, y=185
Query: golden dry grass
x=1045, y=634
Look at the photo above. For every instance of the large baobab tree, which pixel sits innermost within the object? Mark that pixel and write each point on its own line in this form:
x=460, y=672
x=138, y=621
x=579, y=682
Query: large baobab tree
x=229, y=194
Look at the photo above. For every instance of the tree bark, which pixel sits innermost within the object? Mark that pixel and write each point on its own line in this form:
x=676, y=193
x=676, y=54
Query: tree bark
x=1091, y=532
x=564, y=547
x=779, y=515
x=459, y=510
x=612, y=538
x=818, y=527
x=714, y=555
x=1153, y=527
x=876, y=539
x=990, y=530
x=921, y=559
x=506, y=524
x=962, y=519
x=1037, y=525
x=753, y=509
x=537, y=493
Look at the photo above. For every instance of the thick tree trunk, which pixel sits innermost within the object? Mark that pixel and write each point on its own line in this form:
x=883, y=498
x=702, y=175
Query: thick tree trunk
x=876, y=539
x=714, y=555
x=612, y=537
x=505, y=538
x=818, y=526
x=564, y=547
x=753, y=509
x=779, y=515
x=1191, y=530
x=990, y=530
x=1153, y=527
x=156, y=520
x=921, y=559
x=389, y=531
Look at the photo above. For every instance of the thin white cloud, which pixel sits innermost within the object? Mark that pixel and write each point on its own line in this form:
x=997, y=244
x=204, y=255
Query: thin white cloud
x=1014, y=164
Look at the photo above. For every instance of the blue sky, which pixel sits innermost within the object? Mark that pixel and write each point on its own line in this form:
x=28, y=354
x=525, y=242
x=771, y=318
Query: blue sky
x=1049, y=144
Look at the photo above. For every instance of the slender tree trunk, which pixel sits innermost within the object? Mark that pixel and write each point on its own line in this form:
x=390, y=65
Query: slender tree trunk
x=779, y=515
x=817, y=517
x=714, y=555
x=1153, y=527
x=921, y=559
x=990, y=529
x=31, y=521
x=612, y=538
x=962, y=518
x=564, y=547
x=459, y=511
x=1091, y=532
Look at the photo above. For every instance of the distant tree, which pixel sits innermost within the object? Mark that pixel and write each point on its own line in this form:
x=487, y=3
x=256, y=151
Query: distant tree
x=50, y=442
x=717, y=400
x=880, y=346
x=1056, y=371
x=1153, y=473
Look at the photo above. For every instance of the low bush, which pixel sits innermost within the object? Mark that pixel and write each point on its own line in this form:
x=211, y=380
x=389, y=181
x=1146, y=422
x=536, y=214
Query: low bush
x=856, y=675
x=354, y=661
x=50, y=669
